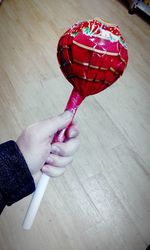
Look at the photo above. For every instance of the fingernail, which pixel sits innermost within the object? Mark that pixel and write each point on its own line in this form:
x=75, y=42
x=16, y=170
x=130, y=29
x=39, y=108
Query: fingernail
x=55, y=150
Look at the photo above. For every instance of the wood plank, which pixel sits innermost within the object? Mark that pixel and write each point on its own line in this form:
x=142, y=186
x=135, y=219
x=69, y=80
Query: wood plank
x=103, y=200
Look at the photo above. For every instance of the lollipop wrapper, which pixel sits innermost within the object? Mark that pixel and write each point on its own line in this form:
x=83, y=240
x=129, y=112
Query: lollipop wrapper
x=92, y=55
x=73, y=103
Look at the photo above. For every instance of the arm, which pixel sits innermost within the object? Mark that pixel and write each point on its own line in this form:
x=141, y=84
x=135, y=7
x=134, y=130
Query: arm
x=16, y=180
x=33, y=152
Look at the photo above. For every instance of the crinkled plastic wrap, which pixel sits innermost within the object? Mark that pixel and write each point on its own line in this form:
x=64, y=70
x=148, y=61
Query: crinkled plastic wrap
x=92, y=55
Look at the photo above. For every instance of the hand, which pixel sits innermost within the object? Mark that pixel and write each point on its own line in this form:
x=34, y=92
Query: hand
x=35, y=143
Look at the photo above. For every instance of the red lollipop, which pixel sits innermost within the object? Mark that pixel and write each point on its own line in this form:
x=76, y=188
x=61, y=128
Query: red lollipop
x=92, y=56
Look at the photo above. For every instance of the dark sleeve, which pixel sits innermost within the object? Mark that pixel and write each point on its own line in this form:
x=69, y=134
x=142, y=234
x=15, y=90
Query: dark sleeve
x=16, y=181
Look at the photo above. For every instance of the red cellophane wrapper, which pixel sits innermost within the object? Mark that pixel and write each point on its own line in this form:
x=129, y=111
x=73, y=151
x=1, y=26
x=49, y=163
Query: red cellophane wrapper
x=92, y=56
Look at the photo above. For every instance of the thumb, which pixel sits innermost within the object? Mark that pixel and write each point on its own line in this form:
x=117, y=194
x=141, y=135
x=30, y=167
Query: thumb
x=51, y=126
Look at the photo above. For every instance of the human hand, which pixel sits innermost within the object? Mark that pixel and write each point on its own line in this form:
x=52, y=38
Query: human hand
x=35, y=143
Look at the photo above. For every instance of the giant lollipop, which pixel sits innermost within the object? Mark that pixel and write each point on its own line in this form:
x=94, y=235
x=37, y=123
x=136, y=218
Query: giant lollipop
x=92, y=56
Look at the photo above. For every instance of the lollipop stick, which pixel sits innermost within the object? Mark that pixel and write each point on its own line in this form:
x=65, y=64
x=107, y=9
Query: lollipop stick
x=72, y=105
x=35, y=202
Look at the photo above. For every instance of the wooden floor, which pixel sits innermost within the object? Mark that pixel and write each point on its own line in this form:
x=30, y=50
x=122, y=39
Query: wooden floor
x=103, y=200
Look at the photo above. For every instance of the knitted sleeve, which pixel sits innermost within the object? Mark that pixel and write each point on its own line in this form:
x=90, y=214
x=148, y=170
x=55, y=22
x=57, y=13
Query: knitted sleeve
x=16, y=181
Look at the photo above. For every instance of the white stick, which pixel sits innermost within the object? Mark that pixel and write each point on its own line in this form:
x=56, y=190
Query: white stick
x=35, y=202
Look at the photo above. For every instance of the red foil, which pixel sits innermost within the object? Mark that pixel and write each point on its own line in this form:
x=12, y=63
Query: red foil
x=92, y=56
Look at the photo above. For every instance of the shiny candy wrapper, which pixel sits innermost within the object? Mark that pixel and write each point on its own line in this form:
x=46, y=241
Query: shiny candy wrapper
x=92, y=55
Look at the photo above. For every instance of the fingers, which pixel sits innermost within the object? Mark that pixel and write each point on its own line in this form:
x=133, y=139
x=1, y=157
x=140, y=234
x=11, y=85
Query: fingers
x=52, y=171
x=67, y=148
x=56, y=165
x=59, y=161
x=62, y=154
x=51, y=126
x=72, y=131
